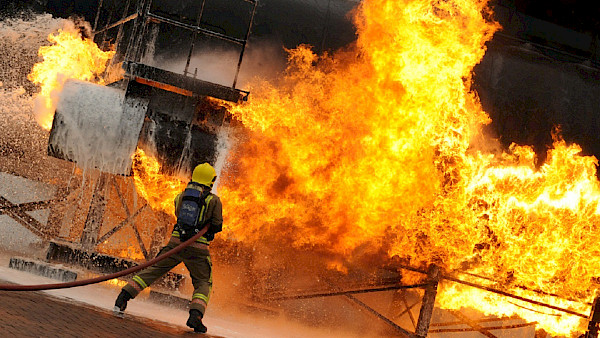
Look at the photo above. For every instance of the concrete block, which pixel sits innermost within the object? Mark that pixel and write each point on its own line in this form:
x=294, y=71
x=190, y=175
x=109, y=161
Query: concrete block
x=42, y=269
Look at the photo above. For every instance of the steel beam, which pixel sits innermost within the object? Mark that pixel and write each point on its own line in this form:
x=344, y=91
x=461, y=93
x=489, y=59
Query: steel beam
x=172, y=81
x=489, y=328
x=18, y=214
x=348, y=292
x=500, y=292
x=433, y=278
x=115, y=24
x=382, y=317
x=594, y=324
x=95, y=216
x=484, y=331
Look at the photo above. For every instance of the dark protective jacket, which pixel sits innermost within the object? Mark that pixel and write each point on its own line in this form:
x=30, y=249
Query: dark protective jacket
x=211, y=213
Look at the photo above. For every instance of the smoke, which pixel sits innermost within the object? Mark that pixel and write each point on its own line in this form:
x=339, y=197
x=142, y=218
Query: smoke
x=263, y=59
x=79, y=24
x=23, y=143
x=20, y=39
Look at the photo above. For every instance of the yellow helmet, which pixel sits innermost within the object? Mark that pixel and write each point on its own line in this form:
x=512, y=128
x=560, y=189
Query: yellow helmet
x=204, y=174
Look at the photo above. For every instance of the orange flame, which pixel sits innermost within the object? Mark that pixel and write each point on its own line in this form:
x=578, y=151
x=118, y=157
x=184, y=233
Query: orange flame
x=373, y=147
x=157, y=189
x=69, y=57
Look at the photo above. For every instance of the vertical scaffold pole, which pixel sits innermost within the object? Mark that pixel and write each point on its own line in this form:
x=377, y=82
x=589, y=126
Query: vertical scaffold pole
x=433, y=278
x=593, y=326
x=93, y=222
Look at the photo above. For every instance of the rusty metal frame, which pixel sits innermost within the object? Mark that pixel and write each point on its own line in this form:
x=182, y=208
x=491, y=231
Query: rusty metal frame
x=347, y=292
x=95, y=214
x=383, y=318
x=474, y=325
x=500, y=292
x=120, y=22
x=18, y=212
x=199, y=30
x=129, y=219
x=122, y=224
x=538, y=291
x=430, y=285
x=90, y=238
x=487, y=328
x=422, y=326
x=144, y=16
x=407, y=307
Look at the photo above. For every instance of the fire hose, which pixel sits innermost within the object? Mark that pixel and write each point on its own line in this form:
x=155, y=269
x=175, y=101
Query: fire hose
x=99, y=279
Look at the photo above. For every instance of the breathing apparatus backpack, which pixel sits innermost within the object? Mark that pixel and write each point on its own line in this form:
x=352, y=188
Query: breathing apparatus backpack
x=191, y=205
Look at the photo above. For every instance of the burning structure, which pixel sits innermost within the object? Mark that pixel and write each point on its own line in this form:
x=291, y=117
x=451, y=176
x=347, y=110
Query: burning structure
x=371, y=156
x=170, y=114
x=180, y=124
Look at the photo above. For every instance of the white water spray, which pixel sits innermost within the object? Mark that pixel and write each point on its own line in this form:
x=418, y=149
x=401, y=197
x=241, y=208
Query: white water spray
x=99, y=126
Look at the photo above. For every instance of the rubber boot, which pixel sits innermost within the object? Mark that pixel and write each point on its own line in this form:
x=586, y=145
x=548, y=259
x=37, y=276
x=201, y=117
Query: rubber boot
x=195, y=321
x=121, y=303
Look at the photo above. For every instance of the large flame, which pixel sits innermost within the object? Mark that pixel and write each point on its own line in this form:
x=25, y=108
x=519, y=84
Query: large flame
x=372, y=149
x=70, y=56
x=157, y=189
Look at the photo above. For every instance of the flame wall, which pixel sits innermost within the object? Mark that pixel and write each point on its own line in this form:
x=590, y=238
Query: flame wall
x=373, y=134
x=378, y=149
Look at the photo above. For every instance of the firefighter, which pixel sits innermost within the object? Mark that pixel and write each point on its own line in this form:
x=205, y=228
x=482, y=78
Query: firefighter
x=198, y=206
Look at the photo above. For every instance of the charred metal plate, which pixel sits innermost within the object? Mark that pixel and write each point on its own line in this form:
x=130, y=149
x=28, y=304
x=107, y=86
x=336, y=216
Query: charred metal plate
x=100, y=127
x=180, y=131
x=181, y=84
x=178, y=146
x=60, y=252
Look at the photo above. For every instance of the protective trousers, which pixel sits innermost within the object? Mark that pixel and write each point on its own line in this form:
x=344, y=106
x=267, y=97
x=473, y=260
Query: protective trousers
x=198, y=263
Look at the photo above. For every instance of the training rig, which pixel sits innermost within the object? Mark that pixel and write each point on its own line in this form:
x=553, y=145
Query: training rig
x=169, y=110
x=175, y=115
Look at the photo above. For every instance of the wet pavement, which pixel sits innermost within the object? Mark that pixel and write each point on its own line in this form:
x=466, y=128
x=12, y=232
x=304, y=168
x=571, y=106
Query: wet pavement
x=36, y=314
x=86, y=311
